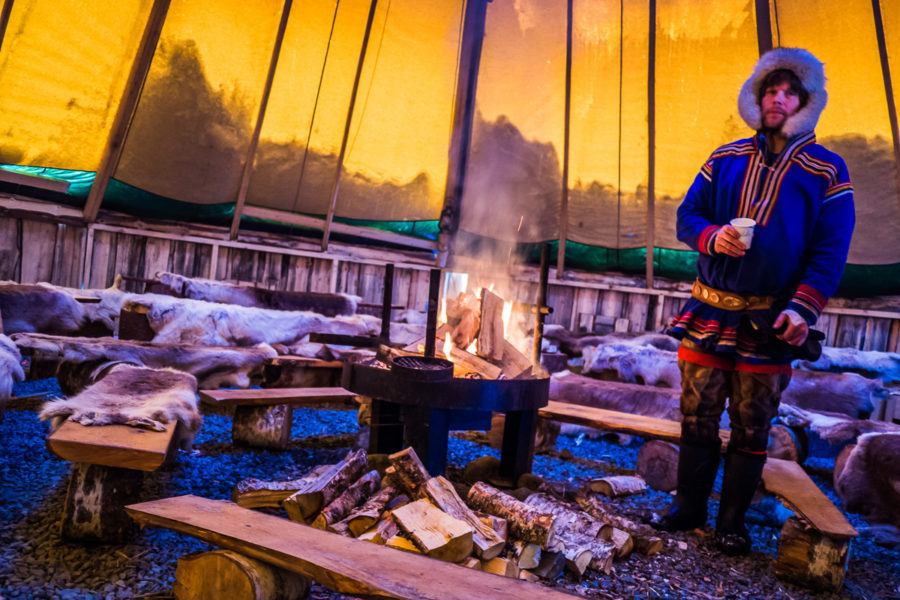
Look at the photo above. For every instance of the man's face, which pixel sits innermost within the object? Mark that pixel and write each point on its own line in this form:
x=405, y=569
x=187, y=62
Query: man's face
x=778, y=103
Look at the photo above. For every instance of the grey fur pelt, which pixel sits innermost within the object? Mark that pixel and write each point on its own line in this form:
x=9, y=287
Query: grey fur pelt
x=10, y=366
x=136, y=396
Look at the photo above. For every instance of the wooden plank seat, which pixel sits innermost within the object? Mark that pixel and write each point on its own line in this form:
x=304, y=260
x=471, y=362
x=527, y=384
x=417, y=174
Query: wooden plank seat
x=108, y=463
x=813, y=550
x=300, y=371
x=262, y=417
x=346, y=565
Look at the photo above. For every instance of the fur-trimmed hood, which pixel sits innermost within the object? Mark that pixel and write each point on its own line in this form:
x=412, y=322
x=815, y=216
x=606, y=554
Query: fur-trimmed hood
x=811, y=73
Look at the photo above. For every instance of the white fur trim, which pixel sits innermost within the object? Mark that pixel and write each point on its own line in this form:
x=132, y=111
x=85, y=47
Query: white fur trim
x=812, y=75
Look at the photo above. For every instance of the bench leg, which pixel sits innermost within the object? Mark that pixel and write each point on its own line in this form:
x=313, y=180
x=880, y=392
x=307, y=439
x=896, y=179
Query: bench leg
x=810, y=558
x=95, y=501
x=227, y=574
x=262, y=426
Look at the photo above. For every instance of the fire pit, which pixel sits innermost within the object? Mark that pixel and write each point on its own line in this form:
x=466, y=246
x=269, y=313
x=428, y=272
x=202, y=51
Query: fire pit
x=416, y=402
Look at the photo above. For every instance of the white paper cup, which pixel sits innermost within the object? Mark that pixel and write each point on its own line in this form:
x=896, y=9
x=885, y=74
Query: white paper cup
x=744, y=228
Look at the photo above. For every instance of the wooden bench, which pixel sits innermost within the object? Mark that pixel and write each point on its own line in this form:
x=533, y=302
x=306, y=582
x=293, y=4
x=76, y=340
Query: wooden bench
x=108, y=463
x=345, y=565
x=813, y=550
x=263, y=417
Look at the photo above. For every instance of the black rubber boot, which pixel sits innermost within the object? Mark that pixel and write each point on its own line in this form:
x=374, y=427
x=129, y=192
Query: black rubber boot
x=743, y=472
x=697, y=466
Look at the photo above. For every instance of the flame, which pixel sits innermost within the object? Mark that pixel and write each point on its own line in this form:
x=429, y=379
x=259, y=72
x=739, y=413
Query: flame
x=448, y=347
x=442, y=315
x=491, y=287
x=507, y=313
x=473, y=347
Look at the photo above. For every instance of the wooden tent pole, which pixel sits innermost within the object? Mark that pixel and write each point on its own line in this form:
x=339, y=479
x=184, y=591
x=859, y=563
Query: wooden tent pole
x=4, y=19
x=763, y=26
x=326, y=233
x=463, y=115
x=122, y=122
x=254, y=139
x=651, y=144
x=888, y=86
x=564, y=201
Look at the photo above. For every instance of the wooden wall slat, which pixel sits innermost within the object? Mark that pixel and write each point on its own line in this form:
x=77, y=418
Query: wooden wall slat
x=561, y=299
x=10, y=243
x=202, y=259
x=68, y=256
x=585, y=303
x=38, y=243
x=371, y=284
x=156, y=256
x=320, y=277
x=851, y=331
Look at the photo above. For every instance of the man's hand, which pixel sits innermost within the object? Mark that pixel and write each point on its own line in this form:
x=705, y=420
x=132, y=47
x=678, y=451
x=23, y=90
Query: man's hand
x=795, y=327
x=728, y=242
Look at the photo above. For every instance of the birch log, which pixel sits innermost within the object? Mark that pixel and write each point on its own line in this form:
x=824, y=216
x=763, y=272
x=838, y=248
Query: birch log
x=341, y=506
x=257, y=493
x=579, y=531
x=525, y=523
x=363, y=518
x=308, y=500
x=644, y=537
x=434, y=532
x=409, y=472
x=618, y=485
x=488, y=543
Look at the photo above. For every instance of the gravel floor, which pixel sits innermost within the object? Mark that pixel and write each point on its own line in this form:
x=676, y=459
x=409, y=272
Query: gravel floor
x=36, y=563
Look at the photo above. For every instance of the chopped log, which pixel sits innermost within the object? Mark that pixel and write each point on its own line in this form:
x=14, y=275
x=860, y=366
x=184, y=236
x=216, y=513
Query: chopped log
x=435, y=532
x=500, y=566
x=95, y=503
x=526, y=555
x=256, y=493
x=341, y=506
x=528, y=576
x=566, y=520
x=262, y=426
x=811, y=558
x=578, y=553
x=525, y=523
x=465, y=331
x=471, y=562
x=644, y=537
x=490, y=335
x=498, y=524
x=308, y=500
x=402, y=543
x=364, y=517
x=618, y=485
x=409, y=471
x=551, y=565
x=578, y=531
x=488, y=543
x=657, y=464
x=620, y=539
x=228, y=574
x=386, y=528
x=783, y=444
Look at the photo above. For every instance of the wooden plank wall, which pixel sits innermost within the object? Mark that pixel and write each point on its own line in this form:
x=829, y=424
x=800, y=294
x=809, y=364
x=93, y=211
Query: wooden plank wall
x=33, y=250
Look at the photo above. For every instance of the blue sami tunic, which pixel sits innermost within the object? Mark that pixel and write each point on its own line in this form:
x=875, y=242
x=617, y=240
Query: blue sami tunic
x=802, y=202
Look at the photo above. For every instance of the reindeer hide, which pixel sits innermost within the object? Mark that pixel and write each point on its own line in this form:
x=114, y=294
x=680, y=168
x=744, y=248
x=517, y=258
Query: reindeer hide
x=39, y=308
x=10, y=366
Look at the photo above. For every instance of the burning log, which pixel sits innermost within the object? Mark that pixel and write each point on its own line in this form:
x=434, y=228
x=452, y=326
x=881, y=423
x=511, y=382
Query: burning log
x=364, y=517
x=308, y=500
x=434, y=532
x=490, y=335
x=256, y=493
x=408, y=471
x=466, y=330
x=618, y=485
x=341, y=506
x=525, y=523
x=488, y=543
x=657, y=464
x=644, y=537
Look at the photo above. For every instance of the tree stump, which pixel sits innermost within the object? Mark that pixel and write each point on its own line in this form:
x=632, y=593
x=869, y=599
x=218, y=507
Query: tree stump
x=262, y=426
x=657, y=463
x=95, y=503
x=227, y=574
x=809, y=558
x=787, y=443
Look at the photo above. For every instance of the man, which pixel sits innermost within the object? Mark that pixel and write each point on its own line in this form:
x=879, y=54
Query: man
x=751, y=307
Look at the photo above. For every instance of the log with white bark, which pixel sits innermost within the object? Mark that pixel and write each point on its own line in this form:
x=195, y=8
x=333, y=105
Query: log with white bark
x=525, y=523
x=566, y=520
x=488, y=543
x=577, y=531
x=434, y=532
x=645, y=538
x=308, y=500
x=257, y=493
x=526, y=554
x=408, y=471
x=364, y=517
x=551, y=565
x=618, y=485
x=341, y=506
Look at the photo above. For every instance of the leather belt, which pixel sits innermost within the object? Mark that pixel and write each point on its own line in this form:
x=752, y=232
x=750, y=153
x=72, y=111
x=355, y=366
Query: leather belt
x=729, y=300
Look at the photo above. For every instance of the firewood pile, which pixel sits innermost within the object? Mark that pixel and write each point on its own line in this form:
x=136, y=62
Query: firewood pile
x=392, y=501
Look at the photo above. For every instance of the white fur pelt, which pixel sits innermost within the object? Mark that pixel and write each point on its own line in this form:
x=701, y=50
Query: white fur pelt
x=10, y=366
x=885, y=365
x=213, y=367
x=834, y=428
x=39, y=308
x=136, y=396
x=224, y=292
x=634, y=361
x=870, y=481
x=811, y=73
